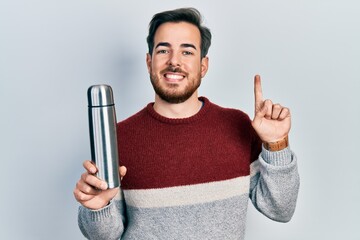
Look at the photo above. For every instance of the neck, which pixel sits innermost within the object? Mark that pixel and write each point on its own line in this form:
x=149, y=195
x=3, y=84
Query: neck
x=178, y=110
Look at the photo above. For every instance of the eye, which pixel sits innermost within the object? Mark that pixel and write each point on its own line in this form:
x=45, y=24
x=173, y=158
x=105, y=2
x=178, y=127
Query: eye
x=187, y=53
x=162, y=51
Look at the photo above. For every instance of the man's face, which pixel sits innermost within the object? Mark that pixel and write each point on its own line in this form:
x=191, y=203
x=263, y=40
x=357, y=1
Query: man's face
x=176, y=67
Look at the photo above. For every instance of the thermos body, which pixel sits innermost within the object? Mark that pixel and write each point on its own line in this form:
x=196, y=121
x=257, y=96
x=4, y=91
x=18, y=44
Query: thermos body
x=103, y=136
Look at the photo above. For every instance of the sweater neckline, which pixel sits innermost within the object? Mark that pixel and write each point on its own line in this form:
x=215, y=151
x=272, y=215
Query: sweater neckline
x=199, y=115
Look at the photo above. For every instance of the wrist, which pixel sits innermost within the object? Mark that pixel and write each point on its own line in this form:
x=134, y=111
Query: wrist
x=278, y=145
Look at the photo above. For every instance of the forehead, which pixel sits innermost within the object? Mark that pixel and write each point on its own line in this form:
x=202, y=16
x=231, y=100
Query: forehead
x=177, y=33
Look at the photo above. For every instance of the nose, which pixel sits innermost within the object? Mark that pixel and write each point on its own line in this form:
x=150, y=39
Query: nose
x=174, y=60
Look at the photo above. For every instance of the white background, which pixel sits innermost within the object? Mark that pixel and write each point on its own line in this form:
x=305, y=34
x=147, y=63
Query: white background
x=307, y=53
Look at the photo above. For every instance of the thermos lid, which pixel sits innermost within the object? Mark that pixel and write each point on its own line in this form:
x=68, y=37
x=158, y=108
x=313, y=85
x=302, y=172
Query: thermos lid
x=100, y=95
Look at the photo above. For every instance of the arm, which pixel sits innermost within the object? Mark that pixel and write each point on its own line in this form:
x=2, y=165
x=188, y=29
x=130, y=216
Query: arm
x=274, y=177
x=102, y=213
x=105, y=223
x=274, y=184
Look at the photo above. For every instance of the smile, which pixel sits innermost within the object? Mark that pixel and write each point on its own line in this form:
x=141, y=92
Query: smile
x=174, y=77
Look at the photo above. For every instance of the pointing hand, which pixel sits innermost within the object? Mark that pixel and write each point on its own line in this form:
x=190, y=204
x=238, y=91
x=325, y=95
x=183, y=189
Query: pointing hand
x=271, y=122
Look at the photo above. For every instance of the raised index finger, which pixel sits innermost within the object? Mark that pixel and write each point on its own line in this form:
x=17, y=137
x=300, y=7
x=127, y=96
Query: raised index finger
x=258, y=92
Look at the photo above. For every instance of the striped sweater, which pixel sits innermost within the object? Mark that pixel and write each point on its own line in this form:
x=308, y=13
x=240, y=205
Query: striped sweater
x=192, y=178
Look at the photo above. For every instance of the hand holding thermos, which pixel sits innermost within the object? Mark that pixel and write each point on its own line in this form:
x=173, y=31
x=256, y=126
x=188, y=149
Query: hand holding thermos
x=99, y=184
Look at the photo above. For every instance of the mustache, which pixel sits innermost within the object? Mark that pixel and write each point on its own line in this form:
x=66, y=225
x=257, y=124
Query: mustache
x=174, y=70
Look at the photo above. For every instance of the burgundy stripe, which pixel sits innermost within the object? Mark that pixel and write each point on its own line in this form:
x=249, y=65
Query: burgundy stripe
x=213, y=145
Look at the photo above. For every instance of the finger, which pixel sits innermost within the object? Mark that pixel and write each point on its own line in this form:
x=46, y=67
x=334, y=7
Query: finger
x=269, y=105
x=81, y=197
x=276, y=110
x=258, y=92
x=122, y=171
x=90, y=166
x=261, y=112
x=86, y=188
x=94, y=181
x=285, y=113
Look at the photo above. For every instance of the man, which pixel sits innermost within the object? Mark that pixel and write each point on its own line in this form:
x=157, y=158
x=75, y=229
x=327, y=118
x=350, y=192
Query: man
x=190, y=165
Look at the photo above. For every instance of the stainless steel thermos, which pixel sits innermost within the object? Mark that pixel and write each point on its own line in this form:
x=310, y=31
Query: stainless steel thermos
x=103, y=138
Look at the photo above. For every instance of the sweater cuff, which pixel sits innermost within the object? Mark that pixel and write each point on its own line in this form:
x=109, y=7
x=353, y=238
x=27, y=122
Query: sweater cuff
x=277, y=158
x=99, y=214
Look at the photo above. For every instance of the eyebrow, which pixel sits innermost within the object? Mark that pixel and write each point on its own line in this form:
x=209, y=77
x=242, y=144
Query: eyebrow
x=184, y=45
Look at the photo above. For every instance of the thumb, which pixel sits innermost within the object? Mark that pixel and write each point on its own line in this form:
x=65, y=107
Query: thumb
x=122, y=171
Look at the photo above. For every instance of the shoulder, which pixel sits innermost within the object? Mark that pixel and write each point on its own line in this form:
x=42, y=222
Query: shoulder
x=134, y=119
x=230, y=114
x=233, y=122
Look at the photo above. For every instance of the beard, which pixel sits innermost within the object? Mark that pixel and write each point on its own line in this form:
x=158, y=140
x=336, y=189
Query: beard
x=172, y=93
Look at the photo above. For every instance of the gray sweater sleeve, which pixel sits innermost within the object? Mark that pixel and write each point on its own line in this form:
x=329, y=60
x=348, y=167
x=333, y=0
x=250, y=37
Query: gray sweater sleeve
x=275, y=184
x=106, y=223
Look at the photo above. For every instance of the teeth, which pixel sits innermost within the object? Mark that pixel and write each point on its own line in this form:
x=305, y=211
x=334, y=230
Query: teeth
x=174, y=76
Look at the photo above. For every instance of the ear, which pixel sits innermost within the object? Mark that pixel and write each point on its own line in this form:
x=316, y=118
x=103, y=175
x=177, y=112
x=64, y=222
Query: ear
x=148, y=61
x=204, y=66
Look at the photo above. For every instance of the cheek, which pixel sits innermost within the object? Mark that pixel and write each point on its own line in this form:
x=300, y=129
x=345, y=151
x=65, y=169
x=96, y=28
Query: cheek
x=158, y=66
x=195, y=68
x=190, y=67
